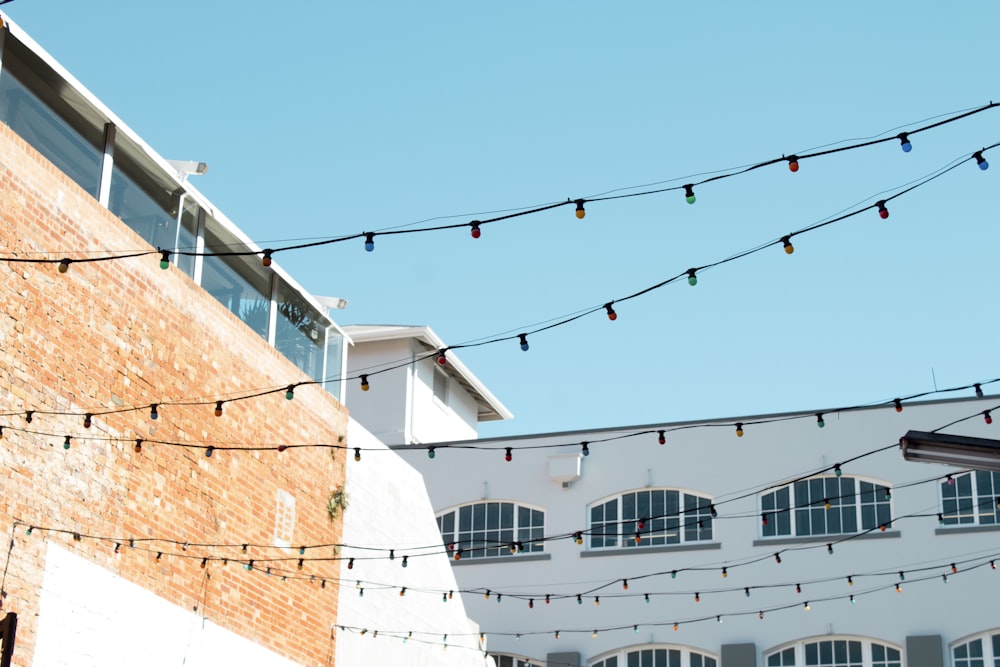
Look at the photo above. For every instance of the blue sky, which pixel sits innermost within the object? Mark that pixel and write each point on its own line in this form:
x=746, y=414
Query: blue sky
x=321, y=119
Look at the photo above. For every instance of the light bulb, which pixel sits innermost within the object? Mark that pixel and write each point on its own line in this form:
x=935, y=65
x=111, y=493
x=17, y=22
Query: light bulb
x=662, y=439
x=837, y=471
x=524, y=341
x=692, y=277
x=118, y=547
x=594, y=635
x=635, y=629
x=987, y=417
x=899, y=589
x=777, y=558
x=300, y=564
x=364, y=383
x=852, y=599
x=746, y=591
x=164, y=259
x=806, y=606
x=979, y=390
x=158, y=557
x=898, y=404
x=369, y=241
x=954, y=569
x=580, y=212
x=88, y=420
x=557, y=634
x=289, y=392
x=820, y=422
x=138, y=445
x=584, y=449
x=29, y=415
x=950, y=480
x=763, y=519
x=579, y=599
x=826, y=504
x=218, y=408
x=646, y=598
x=760, y=615
x=402, y=591
x=673, y=574
x=902, y=576
x=850, y=581
x=547, y=598
x=624, y=584
x=718, y=618
x=66, y=443
x=739, y=429
x=798, y=588
x=441, y=358
x=266, y=258
x=154, y=412
x=597, y=601
x=350, y=563
x=883, y=212
x=676, y=627
x=531, y=604
x=430, y=452
x=697, y=597
x=904, y=142
x=689, y=193
x=357, y=454
x=981, y=161
x=725, y=573
x=793, y=163
x=578, y=537
x=786, y=242
x=612, y=315
x=476, y=232
x=829, y=548
x=209, y=451
x=507, y=454
x=64, y=265
x=944, y=577
x=712, y=511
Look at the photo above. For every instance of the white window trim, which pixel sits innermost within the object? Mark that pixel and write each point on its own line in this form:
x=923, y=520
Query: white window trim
x=791, y=510
x=976, y=499
x=986, y=636
x=503, y=553
x=622, y=653
x=645, y=545
x=866, y=649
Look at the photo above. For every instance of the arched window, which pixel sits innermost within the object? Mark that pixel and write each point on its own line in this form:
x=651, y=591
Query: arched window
x=825, y=506
x=971, y=498
x=505, y=660
x=835, y=652
x=493, y=528
x=650, y=517
x=656, y=656
x=979, y=651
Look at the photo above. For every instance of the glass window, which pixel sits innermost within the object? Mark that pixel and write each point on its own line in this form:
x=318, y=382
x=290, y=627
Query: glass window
x=836, y=653
x=147, y=206
x=971, y=498
x=503, y=660
x=334, y=362
x=651, y=517
x=493, y=528
x=657, y=657
x=982, y=651
x=301, y=331
x=244, y=289
x=50, y=135
x=825, y=506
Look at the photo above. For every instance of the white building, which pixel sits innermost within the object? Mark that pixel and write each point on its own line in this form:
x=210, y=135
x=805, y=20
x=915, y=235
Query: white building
x=787, y=539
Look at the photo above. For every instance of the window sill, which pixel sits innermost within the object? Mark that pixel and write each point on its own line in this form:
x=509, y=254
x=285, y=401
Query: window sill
x=626, y=551
x=513, y=558
x=970, y=528
x=839, y=537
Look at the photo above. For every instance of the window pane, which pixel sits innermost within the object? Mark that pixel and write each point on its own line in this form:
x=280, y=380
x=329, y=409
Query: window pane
x=300, y=334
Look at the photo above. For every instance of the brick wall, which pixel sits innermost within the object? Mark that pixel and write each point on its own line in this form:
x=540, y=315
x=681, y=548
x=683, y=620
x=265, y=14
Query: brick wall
x=108, y=335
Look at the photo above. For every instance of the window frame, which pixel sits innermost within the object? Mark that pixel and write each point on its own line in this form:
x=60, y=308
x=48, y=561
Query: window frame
x=620, y=656
x=990, y=649
x=868, y=644
x=976, y=498
x=784, y=522
x=654, y=523
x=463, y=542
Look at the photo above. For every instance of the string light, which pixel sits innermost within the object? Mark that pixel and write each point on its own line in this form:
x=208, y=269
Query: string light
x=662, y=439
x=898, y=404
x=209, y=451
x=584, y=448
x=777, y=558
x=820, y=422
x=66, y=444
x=580, y=212
x=265, y=259
x=28, y=415
x=829, y=548
x=218, y=408
x=64, y=265
x=430, y=452
x=786, y=242
x=979, y=390
x=364, y=383
x=987, y=417
x=507, y=454
x=851, y=598
x=725, y=573
x=624, y=584
x=645, y=598
x=697, y=597
x=578, y=537
x=883, y=212
x=850, y=581
x=154, y=411
x=763, y=519
x=369, y=241
x=692, y=277
x=164, y=259
x=746, y=591
x=441, y=358
x=793, y=163
x=689, y=193
x=476, y=232
x=739, y=429
x=289, y=392
x=612, y=315
x=904, y=142
x=798, y=588
x=357, y=454
x=806, y=606
x=524, y=341
x=954, y=569
x=981, y=161
x=837, y=471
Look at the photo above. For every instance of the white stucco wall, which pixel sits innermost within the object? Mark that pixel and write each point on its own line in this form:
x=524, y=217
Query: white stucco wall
x=389, y=509
x=713, y=461
x=90, y=617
